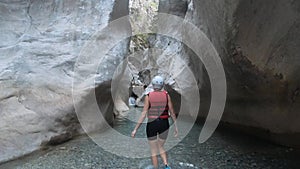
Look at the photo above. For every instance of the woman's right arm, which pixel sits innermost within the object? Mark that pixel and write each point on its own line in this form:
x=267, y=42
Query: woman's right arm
x=142, y=117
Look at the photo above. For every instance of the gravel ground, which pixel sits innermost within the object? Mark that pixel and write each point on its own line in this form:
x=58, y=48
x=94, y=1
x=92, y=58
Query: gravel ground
x=225, y=149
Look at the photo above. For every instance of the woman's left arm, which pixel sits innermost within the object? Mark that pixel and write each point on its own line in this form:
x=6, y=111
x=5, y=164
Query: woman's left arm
x=173, y=115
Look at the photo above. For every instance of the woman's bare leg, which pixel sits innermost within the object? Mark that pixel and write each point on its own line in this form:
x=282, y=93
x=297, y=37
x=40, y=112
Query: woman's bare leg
x=153, y=149
x=162, y=152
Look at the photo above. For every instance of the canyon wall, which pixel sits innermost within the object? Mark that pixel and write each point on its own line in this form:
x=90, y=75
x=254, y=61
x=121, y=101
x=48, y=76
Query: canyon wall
x=257, y=42
x=40, y=43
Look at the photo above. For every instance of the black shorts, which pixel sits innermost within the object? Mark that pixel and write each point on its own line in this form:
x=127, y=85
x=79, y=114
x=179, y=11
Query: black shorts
x=158, y=127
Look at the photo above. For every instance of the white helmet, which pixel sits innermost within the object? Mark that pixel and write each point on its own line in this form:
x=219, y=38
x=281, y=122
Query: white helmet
x=158, y=82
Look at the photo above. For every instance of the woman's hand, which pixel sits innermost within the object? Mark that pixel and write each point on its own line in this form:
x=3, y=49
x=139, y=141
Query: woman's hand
x=175, y=132
x=133, y=133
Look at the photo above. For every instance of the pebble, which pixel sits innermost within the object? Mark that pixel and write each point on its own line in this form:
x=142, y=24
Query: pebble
x=62, y=148
x=253, y=164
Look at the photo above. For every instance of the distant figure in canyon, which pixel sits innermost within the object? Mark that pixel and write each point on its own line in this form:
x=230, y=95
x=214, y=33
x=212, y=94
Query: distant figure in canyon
x=158, y=108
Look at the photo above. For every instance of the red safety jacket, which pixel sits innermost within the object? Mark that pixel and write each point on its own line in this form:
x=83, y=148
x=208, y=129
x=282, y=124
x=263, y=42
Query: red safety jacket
x=158, y=105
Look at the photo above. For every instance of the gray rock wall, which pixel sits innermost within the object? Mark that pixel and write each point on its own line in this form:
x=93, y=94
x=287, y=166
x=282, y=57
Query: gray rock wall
x=258, y=44
x=174, y=7
x=39, y=44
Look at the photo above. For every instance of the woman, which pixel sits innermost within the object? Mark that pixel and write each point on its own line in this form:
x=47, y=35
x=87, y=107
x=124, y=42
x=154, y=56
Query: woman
x=157, y=107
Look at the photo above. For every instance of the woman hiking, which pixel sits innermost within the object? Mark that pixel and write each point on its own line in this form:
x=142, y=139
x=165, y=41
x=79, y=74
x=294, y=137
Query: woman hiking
x=157, y=107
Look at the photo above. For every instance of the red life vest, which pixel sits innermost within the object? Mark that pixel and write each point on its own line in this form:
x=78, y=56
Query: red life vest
x=158, y=105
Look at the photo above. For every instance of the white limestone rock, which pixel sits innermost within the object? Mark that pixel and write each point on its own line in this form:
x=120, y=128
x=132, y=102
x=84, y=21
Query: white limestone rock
x=39, y=44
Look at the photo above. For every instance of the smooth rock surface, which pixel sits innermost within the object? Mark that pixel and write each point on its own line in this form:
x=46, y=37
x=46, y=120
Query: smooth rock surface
x=40, y=42
x=257, y=43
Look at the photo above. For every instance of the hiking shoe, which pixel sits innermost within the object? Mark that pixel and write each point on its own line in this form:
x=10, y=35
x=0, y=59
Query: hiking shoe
x=167, y=167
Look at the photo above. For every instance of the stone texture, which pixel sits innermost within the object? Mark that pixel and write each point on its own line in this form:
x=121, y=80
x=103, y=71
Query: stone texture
x=142, y=13
x=259, y=49
x=174, y=7
x=40, y=42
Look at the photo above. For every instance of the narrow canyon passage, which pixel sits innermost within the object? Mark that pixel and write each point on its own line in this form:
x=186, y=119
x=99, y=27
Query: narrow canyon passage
x=66, y=67
x=225, y=149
